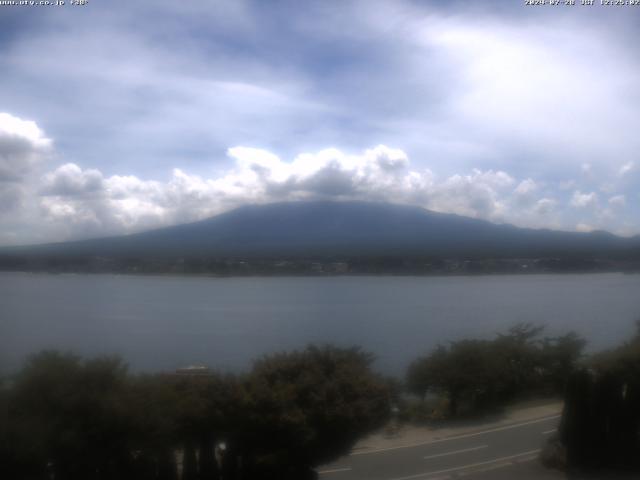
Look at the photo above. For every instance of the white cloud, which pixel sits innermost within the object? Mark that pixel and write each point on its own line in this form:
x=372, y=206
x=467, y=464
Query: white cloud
x=69, y=180
x=567, y=185
x=23, y=146
x=626, y=168
x=456, y=87
x=583, y=200
x=526, y=187
x=11, y=195
x=618, y=201
x=545, y=206
x=70, y=201
x=11, y=126
x=517, y=91
x=476, y=195
x=584, y=227
x=85, y=202
x=75, y=202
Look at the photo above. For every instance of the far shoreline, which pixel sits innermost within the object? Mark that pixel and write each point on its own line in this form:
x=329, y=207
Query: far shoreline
x=317, y=275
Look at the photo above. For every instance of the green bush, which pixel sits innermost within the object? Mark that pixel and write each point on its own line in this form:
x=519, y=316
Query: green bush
x=481, y=375
x=71, y=418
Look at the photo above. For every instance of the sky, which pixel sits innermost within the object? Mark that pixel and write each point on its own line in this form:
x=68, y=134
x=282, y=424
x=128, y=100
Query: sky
x=117, y=117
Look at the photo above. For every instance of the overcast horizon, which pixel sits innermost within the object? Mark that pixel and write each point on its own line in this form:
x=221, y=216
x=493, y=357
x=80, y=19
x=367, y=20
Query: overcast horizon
x=123, y=117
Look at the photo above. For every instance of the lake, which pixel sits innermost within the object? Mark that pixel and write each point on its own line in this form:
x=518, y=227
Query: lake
x=164, y=322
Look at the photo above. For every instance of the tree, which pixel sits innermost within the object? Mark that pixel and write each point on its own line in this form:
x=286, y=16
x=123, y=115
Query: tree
x=424, y=373
x=309, y=407
x=468, y=372
x=520, y=351
x=483, y=374
x=70, y=417
x=152, y=401
x=559, y=357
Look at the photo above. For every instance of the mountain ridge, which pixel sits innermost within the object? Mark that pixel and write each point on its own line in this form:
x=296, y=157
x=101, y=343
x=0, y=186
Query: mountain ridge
x=330, y=228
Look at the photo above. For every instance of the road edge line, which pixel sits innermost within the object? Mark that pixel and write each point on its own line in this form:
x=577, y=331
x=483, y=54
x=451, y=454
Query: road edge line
x=456, y=437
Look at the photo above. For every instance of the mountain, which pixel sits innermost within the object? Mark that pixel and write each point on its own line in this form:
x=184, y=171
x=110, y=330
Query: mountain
x=327, y=228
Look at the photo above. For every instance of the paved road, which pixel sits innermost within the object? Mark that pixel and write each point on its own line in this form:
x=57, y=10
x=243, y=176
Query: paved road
x=508, y=451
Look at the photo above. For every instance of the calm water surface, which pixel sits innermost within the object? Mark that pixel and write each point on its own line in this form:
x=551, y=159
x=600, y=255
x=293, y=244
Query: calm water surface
x=160, y=323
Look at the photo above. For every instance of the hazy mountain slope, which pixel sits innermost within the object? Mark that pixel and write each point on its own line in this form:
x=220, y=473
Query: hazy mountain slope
x=341, y=228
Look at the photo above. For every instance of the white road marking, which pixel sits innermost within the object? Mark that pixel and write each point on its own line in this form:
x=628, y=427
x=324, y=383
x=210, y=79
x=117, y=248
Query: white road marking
x=455, y=451
x=457, y=437
x=468, y=466
x=334, y=470
x=494, y=466
x=547, y=432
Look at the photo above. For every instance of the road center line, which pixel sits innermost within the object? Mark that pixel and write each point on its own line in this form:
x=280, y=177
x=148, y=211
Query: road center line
x=334, y=470
x=547, y=432
x=455, y=451
x=468, y=466
x=457, y=437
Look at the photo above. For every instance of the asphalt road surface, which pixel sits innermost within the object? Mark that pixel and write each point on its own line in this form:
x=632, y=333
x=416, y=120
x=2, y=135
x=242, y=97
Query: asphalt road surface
x=504, y=452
